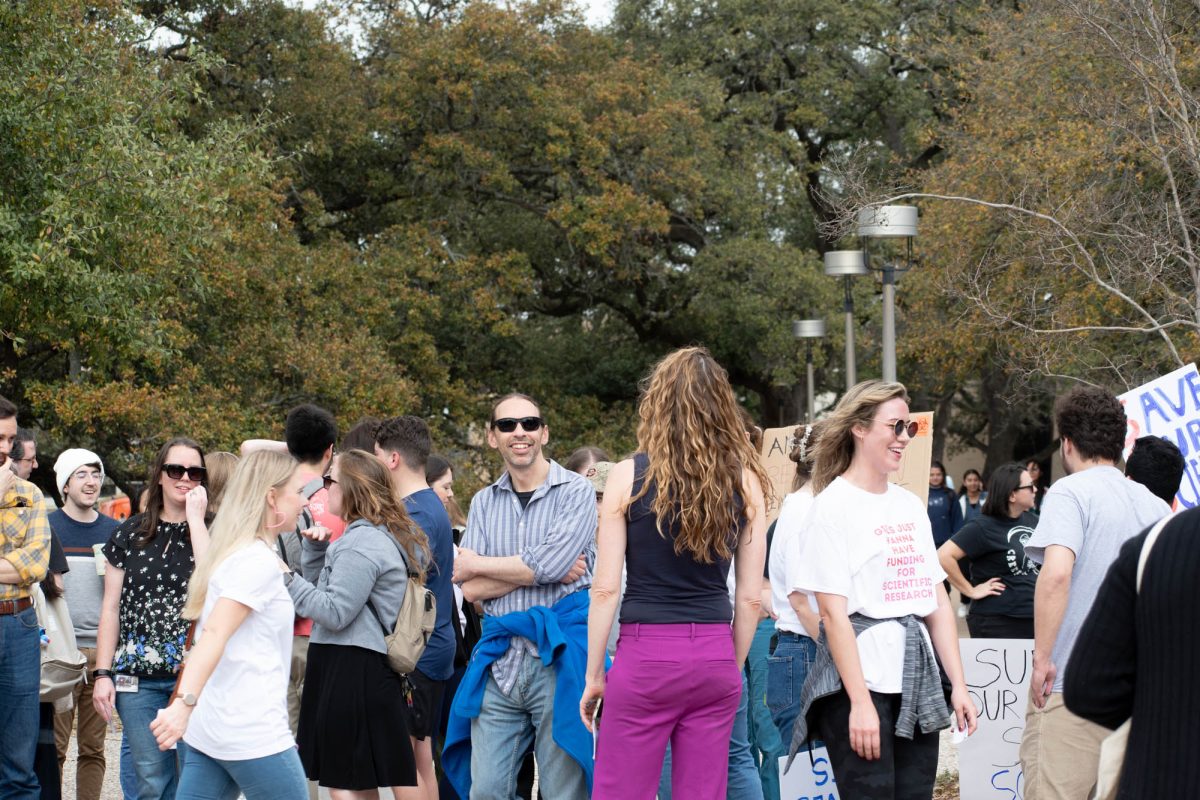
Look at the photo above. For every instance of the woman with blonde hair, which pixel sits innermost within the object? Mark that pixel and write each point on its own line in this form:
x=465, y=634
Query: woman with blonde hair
x=231, y=703
x=874, y=693
x=220, y=466
x=676, y=514
x=353, y=737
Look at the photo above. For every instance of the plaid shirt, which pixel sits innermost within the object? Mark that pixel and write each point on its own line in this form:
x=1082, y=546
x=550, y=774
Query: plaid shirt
x=549, y=534
x=24, y=538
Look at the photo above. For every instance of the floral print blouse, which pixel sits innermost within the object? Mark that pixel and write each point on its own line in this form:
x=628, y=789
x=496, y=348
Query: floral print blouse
x=152, y=633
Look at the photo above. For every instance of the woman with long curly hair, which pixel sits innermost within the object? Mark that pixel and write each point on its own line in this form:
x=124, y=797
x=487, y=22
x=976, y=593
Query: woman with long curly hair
x=676, y=515
x=352, y=735
x=874, y=693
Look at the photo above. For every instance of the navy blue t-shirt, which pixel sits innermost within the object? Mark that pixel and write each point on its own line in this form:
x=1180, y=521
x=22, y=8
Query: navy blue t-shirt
x=426, y=509
x=77, y=538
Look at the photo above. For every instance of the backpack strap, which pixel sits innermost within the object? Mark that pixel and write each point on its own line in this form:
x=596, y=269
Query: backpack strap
x=387, y=629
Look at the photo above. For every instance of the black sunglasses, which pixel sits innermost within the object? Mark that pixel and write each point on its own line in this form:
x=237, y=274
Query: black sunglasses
x=328, y=481
x=177, y=471
x=508, y=424
x=901, y=426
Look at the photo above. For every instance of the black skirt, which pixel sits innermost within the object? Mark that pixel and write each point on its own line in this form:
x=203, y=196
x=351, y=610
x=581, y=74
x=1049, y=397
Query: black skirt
x=352, y=733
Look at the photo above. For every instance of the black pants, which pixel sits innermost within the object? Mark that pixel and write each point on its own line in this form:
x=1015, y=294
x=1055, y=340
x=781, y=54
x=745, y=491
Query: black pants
x=999, y=626
x=906, y=768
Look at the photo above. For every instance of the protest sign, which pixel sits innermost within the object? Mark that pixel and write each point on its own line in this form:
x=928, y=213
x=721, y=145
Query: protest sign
x=808, y=779
x=781, y=470
x=997, y=673
x=1169, y=407
x=914, y=466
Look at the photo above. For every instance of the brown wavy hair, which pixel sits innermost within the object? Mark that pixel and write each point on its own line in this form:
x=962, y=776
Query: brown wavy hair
x=835, y=443
x=367, y=493
x=804, y=456
x=691, y=428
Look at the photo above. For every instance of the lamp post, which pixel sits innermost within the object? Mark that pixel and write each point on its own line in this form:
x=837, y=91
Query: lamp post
x=809, y=329
x=847, y=264
x=889, y=222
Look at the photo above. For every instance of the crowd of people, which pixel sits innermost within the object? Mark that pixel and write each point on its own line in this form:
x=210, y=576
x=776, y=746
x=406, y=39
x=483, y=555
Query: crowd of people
x=636, y=629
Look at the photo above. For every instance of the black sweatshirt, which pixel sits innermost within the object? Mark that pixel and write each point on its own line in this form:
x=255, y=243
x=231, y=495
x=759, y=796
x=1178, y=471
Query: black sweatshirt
x=1139, y=654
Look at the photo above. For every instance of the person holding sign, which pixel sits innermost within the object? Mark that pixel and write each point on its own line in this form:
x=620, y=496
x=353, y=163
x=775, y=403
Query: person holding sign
x=874, y=694
x=994, y=545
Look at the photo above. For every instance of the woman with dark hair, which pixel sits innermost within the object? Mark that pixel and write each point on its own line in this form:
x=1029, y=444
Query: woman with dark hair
x=1002, y=578
x=439, y=474
x=353, y=737
x=944, y=515
x=140, y=641
x=972, y=496
x=1041, y=479
x=676, y=514
x=874, y=693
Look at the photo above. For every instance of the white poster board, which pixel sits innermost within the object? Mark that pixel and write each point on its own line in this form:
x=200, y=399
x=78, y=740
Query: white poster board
x=808, y=780
x=997, y=672
x=1169, y=407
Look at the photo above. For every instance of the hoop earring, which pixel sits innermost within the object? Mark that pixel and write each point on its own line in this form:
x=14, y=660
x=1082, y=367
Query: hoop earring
x=282, y=520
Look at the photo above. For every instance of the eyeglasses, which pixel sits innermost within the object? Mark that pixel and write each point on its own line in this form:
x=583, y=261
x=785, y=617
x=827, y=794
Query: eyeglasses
x=1030, y=486
x=901, y=426
x=509, y=424
x=328, y=481
x=177, y=471
x=20, y=460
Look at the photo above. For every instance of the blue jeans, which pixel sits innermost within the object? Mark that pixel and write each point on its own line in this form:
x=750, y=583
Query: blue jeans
x=277, y=777
x=127, y=775
x=787, y=668
x=765, y=744
x=157, y=771
x=743, y=772
x=20, y=683
x=503, y=730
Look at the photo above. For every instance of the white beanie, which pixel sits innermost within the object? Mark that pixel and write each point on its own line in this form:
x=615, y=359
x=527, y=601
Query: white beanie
x=71, y=460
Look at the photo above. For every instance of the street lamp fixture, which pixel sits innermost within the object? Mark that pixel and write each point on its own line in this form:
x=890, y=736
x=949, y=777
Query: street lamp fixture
x=889, y=222
x=809, y=329
x=847, y=264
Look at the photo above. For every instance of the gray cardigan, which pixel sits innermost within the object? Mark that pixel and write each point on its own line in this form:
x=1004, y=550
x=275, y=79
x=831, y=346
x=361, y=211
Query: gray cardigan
x=364, y=563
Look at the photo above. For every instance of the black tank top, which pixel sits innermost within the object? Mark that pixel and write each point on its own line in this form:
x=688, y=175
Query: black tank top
x=663, y=586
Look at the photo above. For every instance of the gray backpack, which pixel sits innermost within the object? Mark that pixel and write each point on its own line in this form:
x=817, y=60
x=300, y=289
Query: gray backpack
x=407, y=638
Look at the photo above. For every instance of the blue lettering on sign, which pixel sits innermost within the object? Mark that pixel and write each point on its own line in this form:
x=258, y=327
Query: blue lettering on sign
x=1009, y=782
x=821, y=772
x=1157, y=401
x=1150, y=405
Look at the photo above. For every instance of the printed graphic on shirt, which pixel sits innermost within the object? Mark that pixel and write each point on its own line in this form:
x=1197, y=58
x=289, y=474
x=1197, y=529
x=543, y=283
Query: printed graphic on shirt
x=1018, y=562
x=905, y=576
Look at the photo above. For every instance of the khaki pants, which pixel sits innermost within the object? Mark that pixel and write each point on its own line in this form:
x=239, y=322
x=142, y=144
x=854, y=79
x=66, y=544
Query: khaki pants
x=89, y=774
x=296, y=680
x=1060, y=752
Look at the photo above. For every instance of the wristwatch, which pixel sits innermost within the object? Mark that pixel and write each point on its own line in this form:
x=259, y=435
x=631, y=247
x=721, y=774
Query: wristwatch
x=188, y=699
x=102, y=673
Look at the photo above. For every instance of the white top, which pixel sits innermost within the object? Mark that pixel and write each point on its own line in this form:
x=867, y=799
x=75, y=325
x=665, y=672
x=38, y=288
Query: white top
x=785, y=560
x=242, y=710
x=876, y=550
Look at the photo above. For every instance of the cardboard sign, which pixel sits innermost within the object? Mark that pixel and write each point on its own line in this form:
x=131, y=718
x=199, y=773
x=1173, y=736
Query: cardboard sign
x=808, y=780
x=781, y=470
x=914, y=466
x=997, y=673
x=912, y=475
x=1169, y=407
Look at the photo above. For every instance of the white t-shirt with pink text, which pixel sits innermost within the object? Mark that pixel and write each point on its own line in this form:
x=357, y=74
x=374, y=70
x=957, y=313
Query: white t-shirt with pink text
x=877, y=551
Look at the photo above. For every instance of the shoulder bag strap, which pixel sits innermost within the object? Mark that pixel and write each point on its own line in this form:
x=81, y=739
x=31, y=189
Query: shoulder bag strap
x=1144, y=556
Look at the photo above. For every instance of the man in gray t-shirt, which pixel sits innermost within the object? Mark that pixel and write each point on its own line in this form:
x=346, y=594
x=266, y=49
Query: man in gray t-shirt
x=1085, y=519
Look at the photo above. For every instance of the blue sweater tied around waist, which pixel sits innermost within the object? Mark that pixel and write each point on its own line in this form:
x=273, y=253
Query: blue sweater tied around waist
x=560, y=635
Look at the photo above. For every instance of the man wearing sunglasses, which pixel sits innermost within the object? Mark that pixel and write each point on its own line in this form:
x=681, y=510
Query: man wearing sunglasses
x=527, y=555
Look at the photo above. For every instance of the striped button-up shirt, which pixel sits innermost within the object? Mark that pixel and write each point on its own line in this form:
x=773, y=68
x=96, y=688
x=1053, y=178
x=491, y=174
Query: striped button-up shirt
x=549, y=535
x=24, y=538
